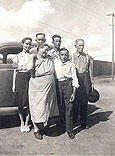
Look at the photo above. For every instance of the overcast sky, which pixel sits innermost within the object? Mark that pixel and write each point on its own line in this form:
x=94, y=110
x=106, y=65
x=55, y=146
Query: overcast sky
x=71, y=19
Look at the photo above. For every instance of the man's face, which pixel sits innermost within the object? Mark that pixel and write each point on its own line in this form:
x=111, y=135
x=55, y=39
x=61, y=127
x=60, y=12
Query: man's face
x=27, y=45
x=57, y=42
x=64, y=56
x=79, y=46
x=40, y=39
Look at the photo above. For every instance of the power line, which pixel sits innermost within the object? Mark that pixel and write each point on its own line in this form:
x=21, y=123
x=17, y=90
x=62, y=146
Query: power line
x=62, y=29
x=66, y=31
x=73, y=6
x=58, y=29
x=88, y=8
x=83, y=6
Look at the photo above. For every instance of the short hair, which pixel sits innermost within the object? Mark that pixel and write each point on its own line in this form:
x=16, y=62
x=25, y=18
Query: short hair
x=40, y=34
x=64, y=49
x=76, y=41
x=44, y=45
x=26, y=38
x=56, y=35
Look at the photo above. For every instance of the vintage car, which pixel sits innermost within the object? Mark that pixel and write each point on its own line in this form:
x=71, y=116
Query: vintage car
x=6, y=77
x=7, y=51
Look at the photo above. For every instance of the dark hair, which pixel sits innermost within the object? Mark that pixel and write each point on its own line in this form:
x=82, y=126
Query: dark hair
x=40, y=34
x=64, y=49
x=26, y=38
x=44, y=45
x=76, y=41
x=54, y=36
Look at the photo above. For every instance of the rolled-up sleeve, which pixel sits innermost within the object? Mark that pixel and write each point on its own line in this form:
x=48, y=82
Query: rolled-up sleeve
x=74, y=77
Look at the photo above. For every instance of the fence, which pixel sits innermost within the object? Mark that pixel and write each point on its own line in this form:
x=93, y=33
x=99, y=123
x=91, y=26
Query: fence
x=102, y=68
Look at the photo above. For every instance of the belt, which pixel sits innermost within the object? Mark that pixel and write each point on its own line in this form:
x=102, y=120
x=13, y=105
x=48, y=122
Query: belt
x=22, y=71
x=64, y=79
x=44, y=75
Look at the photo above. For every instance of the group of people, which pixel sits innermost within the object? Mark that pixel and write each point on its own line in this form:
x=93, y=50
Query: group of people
x=47, y=83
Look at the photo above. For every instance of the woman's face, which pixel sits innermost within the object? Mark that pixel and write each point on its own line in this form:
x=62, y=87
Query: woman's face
x=26, y=45
x=43, y=52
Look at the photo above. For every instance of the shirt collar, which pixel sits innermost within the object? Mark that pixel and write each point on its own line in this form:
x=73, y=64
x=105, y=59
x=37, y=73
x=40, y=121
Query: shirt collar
x=23, y=53
x=56, y=50
x=65, y=62
x=80, y=54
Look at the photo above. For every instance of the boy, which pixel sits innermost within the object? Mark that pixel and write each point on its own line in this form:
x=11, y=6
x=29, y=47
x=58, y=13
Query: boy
x=67, y=83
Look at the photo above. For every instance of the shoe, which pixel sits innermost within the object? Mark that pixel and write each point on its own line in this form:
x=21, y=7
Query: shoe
x=71, y=135
x=22, y=129
x=27, y=129
x=84, y=126
x=38, y=135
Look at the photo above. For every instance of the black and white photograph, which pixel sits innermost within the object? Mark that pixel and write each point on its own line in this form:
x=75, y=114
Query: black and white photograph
x=57, y=77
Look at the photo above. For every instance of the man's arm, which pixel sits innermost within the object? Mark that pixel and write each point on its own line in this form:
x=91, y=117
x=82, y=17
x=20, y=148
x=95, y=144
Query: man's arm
x=73, y=94
x=75, y=83
x=91, y=69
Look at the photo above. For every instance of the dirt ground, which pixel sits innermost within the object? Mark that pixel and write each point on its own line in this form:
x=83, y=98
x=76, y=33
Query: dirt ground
x=99, y=139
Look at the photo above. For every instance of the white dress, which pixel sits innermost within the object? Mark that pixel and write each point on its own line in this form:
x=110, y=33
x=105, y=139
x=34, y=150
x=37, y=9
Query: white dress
x=42, y=92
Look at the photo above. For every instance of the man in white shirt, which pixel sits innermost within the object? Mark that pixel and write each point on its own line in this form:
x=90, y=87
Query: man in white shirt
x=67, y=83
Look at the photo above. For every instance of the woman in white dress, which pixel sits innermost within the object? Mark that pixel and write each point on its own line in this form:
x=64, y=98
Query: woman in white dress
x=42, y=92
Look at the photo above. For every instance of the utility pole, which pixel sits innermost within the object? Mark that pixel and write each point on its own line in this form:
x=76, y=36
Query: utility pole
x=112, y=15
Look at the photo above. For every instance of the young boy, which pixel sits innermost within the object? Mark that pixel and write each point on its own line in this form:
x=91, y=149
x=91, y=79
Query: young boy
x=67, y=83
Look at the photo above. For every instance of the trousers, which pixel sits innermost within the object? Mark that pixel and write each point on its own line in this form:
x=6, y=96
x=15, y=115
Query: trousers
x=82, y=96
x=64, y=92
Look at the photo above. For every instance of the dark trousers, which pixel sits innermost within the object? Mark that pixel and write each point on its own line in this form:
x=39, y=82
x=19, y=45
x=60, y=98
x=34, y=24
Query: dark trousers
x=82, y=97
x=64, y=92
x=81, y=104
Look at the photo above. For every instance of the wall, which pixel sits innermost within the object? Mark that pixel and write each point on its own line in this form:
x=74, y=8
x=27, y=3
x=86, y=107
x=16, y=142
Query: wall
x=102, y=68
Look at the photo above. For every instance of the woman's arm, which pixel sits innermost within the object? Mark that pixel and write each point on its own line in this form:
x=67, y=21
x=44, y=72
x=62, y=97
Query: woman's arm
x=30, y=63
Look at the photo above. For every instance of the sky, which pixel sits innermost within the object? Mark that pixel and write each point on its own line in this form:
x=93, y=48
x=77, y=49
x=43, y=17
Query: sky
x=72, y=19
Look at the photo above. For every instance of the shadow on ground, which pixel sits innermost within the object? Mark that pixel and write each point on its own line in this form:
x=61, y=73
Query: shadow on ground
x=93, y=118
x=96, y=118
x=56, y=127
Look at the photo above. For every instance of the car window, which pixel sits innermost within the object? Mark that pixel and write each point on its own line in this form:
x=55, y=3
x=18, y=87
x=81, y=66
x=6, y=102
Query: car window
x=10, y=57
x=9, y=50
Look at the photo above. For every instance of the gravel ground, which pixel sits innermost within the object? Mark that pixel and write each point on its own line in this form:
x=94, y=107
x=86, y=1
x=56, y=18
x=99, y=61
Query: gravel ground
x=99, y=139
